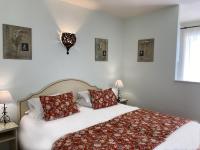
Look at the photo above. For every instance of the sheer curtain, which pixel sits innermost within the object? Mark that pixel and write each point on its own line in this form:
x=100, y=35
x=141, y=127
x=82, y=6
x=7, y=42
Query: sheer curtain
x=189, y=55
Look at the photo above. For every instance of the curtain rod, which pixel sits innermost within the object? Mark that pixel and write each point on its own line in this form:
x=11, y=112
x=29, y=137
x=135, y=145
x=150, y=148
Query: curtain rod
x=190, y=27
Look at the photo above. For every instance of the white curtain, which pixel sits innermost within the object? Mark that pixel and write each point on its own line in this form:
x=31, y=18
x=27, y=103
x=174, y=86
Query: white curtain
x=189, y=55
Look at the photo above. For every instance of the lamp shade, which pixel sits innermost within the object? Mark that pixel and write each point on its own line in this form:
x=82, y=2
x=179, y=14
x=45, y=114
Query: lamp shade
x=5, y=97
x=119, y=84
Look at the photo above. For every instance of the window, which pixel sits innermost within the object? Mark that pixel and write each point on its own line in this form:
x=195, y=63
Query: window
x=188, y=56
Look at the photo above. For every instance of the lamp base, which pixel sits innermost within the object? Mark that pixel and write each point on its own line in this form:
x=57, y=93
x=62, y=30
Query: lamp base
x=119, y=95
x=4, y=118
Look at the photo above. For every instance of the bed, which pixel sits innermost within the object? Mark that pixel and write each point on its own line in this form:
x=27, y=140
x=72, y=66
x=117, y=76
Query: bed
x=37, y=134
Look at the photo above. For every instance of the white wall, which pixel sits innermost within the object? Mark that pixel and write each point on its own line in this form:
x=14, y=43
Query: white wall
x=149, y=85
x=152, y=85
x=50, y=62
x=190, y=23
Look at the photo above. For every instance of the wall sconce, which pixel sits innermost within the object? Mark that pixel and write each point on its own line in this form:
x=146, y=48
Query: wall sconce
x=68, y=40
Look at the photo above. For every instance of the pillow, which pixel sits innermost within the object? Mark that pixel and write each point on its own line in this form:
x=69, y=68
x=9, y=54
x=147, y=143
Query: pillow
x=35, y=107
x=115, y=91
x=102, y=98
x=59, y=106
x=84, y=99
x=82, y=102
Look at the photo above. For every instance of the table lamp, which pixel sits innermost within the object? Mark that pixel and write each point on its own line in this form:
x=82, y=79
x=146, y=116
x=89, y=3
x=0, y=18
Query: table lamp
x=119, y=84
x=5, y=97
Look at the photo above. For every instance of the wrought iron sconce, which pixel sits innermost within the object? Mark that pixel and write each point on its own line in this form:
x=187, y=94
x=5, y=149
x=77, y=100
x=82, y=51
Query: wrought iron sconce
x=68, y=40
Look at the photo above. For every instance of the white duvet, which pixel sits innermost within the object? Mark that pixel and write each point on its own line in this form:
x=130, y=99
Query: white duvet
x=37, y=134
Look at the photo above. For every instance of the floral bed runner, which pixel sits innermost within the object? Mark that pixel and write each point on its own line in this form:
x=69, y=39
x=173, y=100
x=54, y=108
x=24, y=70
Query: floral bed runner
x=136, y=130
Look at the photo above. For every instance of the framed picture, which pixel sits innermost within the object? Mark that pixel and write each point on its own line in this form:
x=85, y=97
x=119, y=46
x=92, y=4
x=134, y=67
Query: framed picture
x=101, y=49
x=145, y=50
x=17, y=42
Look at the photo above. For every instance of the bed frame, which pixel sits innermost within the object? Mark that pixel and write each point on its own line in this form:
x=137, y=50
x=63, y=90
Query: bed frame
x=60, y=86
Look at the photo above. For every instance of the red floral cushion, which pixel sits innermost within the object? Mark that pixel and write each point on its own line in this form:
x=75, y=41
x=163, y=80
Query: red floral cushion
x=102, y=98
x=58, y=106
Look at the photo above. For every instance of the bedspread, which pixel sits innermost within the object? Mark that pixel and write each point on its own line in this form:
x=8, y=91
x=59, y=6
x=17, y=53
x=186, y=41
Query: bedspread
x=140, y=129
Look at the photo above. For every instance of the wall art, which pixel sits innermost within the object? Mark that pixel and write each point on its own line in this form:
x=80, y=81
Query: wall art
x=17, y=42
x=101, y=49
x=145, y=50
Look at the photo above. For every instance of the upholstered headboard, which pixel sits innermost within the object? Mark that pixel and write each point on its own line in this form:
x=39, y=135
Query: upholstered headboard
x=61, y=86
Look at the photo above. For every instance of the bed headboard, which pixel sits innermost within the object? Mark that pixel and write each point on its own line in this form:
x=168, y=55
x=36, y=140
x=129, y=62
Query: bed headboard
x=61, y=86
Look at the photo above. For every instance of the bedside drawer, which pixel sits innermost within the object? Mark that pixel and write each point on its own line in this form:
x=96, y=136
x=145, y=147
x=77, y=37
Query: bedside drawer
x=7, y=136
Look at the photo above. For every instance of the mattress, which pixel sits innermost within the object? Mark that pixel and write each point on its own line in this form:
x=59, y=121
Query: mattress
x=37, y=134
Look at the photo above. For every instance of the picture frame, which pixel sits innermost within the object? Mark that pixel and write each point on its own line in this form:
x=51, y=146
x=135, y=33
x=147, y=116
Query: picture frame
x=17, y=42
x=101, y=49
x=145, y=50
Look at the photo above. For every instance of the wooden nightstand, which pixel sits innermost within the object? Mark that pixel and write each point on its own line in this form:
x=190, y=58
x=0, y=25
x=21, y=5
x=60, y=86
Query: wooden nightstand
x=8, y=133
x=123, y=101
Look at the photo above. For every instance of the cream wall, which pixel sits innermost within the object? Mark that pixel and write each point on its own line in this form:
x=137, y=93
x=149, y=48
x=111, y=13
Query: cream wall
x=50, y=62
x=152, y=85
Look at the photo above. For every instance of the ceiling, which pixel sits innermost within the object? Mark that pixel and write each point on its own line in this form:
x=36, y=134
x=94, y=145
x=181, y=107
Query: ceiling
x=126, y=8
x=190, y=11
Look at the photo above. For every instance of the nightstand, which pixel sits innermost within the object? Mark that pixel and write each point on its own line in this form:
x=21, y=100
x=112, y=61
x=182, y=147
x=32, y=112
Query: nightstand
x=8, y=133
x=123, y=101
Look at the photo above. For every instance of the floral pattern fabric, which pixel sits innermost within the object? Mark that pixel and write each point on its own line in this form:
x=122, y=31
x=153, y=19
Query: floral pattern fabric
x=136, y=130
x=58, y=106
x=102, y=98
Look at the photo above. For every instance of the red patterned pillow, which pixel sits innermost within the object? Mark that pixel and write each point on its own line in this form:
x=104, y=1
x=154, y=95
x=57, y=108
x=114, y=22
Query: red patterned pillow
x=102, y=98
x=58, y=106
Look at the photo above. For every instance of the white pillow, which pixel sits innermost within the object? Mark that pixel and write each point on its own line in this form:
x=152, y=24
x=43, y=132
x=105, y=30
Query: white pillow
x=84, y=99
x=82, y=102
x=115, y=91
x=35, y=107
